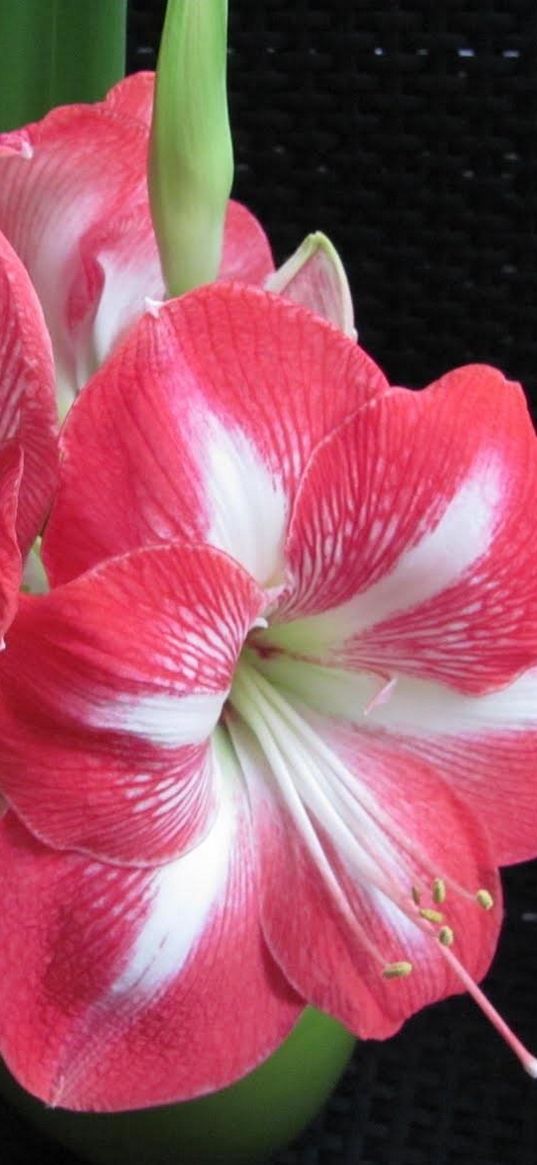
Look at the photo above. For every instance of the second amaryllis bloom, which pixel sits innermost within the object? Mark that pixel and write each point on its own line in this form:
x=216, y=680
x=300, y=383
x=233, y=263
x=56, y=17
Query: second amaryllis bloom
x=264, y=739
x=74, y=204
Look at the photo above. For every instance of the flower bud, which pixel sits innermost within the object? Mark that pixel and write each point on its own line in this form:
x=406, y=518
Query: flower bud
x=191, y=153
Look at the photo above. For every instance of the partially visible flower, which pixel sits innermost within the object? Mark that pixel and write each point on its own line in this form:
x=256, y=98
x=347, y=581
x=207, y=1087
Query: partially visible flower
x=270, y=733
x=74, y=205
x=28, y=427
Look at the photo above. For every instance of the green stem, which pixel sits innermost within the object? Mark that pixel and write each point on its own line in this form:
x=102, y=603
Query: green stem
x=57, y=52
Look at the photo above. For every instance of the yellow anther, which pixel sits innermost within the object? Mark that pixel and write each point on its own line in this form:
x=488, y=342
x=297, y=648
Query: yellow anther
x=485, y=900
x=439, y=891
x=397, y=970
x=431, y=915
x=416, y=896
x=446, y=936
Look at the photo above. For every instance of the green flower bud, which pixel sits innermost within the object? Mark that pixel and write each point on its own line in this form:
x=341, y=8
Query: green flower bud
x=191, y=152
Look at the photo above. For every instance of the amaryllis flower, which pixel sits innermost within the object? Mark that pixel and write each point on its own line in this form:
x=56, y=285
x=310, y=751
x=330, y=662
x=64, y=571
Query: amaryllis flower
x=272, y=730
x=28, y=443
x=74, y=204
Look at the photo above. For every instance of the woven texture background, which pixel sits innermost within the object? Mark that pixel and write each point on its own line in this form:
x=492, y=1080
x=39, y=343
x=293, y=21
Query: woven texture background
x=407, y=132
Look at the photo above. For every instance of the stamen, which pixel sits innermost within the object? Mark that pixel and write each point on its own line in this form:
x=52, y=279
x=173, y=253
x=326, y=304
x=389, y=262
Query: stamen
x=397, y=970
x=439, y=891
x=431, y=915
x=310, y=791
x=529, y=1062
x=381, y=697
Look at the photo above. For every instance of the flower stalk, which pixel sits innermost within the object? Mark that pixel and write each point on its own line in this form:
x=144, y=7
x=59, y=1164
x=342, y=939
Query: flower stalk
x=191, y=153
x=56, y=52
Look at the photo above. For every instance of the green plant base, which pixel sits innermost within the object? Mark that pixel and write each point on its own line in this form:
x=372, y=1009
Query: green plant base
x=240, y=1125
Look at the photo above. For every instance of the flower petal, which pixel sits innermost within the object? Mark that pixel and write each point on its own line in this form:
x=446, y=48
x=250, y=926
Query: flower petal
x=132, y=97
x=246, y=253
x=411, y=548
x=315, y=277
x=200, y=426
x=78, y=216
x=483, y=747
x=122, y=274
x=27, y=393
x=124, y=988
x=346, y=827
x=10, y=557
x=111, y=688
x=55, y=193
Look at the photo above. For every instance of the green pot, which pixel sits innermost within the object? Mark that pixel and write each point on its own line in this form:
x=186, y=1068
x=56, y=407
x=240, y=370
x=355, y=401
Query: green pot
x=242, y=1124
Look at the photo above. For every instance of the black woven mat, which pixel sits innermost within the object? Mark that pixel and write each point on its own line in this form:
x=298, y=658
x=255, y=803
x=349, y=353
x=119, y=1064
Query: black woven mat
x=407, y=132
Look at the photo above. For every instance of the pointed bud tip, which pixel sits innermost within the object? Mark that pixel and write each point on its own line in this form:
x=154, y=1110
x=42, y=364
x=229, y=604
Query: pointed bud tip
x=531, y=1067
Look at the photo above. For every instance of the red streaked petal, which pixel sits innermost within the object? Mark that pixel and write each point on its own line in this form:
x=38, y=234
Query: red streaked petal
x=121, y=272
x=411, y=548
x=74, y=205
x=132, y=97
x=27, y=393
x=315, y=277
x=111, y=688
x=317, y=851
x=125, y=988
x=199, y=427
x=484, y=747
x=10, y=557
x=83, y=168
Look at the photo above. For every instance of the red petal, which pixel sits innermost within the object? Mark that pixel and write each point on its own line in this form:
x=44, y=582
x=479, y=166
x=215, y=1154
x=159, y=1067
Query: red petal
x=73, y=203
x=133, y=97
x=334, y=945
x=121, y=272
x=10, y=557
x=411, y=547
x=27, y=393
x=200, y=427
x=111, y=688
x=123, y=988
x=483, y=747
x=246, y=254
x=52, y=199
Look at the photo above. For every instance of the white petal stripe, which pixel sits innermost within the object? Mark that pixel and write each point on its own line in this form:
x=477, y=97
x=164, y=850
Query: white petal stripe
x=163, y=719
x=183, y=895
x=440, y=558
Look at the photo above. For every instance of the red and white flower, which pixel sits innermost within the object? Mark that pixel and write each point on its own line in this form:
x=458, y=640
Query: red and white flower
x=272, y=730
x=74, y=205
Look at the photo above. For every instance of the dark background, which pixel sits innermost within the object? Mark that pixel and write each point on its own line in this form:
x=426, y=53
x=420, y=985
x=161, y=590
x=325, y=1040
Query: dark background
x=407, y=132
